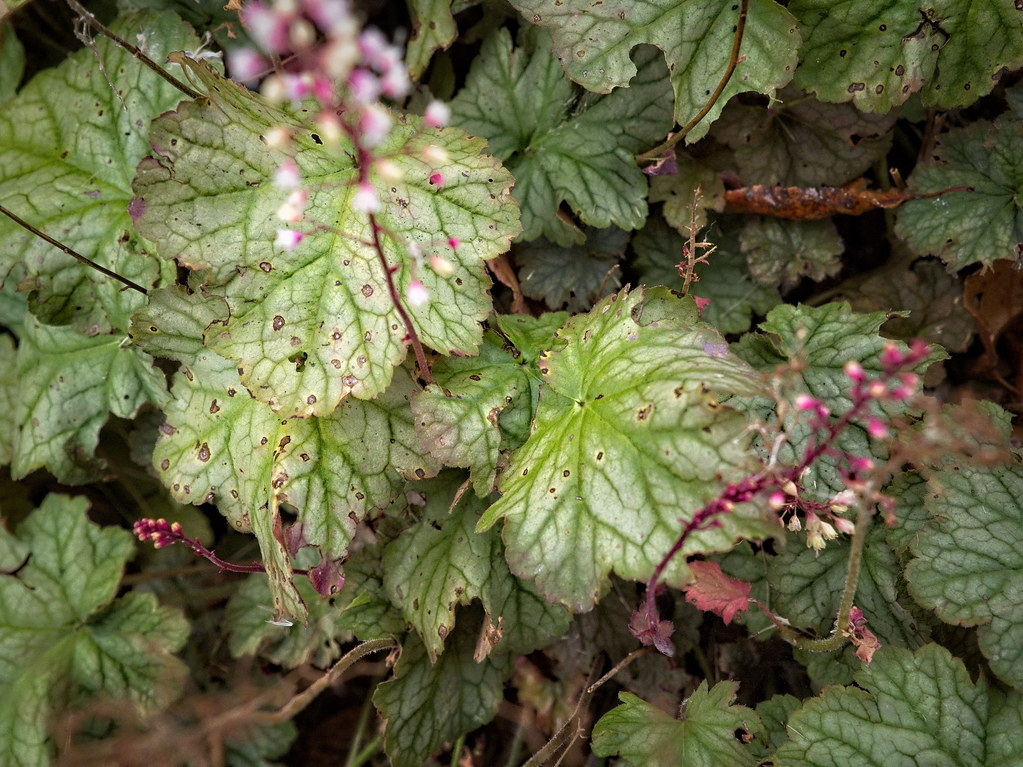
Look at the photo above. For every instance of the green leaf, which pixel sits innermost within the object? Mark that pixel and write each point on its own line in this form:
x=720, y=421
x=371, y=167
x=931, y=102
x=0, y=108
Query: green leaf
x=593, y=43
x=441, y=562
x=876, y=54
x=12, y=61
x=783, y=251
x=68, y=148
x=572, y=277
x=172, y=324
x=774, y=713
x=560, y=147
x=626, y=440
x=907, y=706
x=256, y=746
x=63, y=635
x=968, y=560
x=311, y=325
x=531, y=335
x=703, y=737
x=427, y=704
x=68, y=386
x=318, y=641
x=969, y=227
x=433, y=27
x=220, y=445
x=932, y=297
x=823, y=339
x=457, y=417
x=697, y=182
x=799, y=141
x=808, y=586
x=724, y=280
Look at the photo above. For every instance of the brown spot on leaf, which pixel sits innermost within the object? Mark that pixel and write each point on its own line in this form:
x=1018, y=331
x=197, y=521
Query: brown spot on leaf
x=278, y=322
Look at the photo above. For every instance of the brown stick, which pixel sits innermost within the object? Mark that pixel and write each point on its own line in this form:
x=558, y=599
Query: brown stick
x=78, y=256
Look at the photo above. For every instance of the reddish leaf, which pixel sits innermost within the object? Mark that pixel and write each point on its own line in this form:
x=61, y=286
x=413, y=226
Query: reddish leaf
x=716, y=592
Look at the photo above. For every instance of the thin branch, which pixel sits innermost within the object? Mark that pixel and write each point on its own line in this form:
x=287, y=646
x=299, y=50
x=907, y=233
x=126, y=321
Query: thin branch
x=294, y=706
x=78, y=256
x=93, y=22
x=733, y=62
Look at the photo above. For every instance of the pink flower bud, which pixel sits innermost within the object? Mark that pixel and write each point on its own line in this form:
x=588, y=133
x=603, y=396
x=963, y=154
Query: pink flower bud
x=892, y=357
x=417, y=294
x=777, y=501
x=805, y=402
x=267, y=27
x=366, y=199
x=876, y=428
x=844, y=526
x=854, y=371
x=247, y=65
x=364, y=86
x=288, y=238
x=877, y=389
x=374, y=124
x=437, y=114
x=287, y=175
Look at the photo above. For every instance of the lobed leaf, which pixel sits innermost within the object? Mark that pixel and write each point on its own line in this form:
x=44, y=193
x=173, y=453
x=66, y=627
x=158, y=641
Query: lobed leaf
x=703, y=737
x=442, y=562
x=68, y=386
x=458, y=416
x=314, y=324
x=427, y=704
x=799, y=141
x=975, y=226
x=627, y=439
x=63, y=635
x=220, y=445
x=560, y=148
x=876, y=54
x=572, y=277
x=594, y=41
x=967, y=563
x=69, y=143
x=907, y=706
x=783, y=251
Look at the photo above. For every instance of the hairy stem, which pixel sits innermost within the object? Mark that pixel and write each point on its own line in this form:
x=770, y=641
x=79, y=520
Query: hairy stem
x=852, y=577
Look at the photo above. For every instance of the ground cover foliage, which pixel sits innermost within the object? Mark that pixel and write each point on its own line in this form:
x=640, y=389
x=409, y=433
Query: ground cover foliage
x=633, y=384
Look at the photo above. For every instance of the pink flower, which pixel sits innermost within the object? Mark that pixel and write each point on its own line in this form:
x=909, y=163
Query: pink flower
x=417, y=294
x=366, y=199
x=288, y=238
x=437, y=114
x=247, y=65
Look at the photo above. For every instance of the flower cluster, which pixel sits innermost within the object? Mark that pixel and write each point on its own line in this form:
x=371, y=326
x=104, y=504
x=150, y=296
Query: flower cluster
x=315, y=51
x=162, y=533
x=781, y=486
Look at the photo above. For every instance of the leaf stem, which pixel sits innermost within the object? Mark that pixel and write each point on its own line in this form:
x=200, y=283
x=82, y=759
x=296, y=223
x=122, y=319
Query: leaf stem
x=74, y=254
x=733, y=62
x=93, y=22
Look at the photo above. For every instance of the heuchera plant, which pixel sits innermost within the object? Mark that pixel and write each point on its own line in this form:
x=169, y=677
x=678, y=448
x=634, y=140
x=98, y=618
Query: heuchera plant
x=593, y=361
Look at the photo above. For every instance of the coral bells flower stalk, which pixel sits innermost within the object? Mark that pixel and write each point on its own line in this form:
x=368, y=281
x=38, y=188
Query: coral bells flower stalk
x=780, y=487
x=317, y=52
